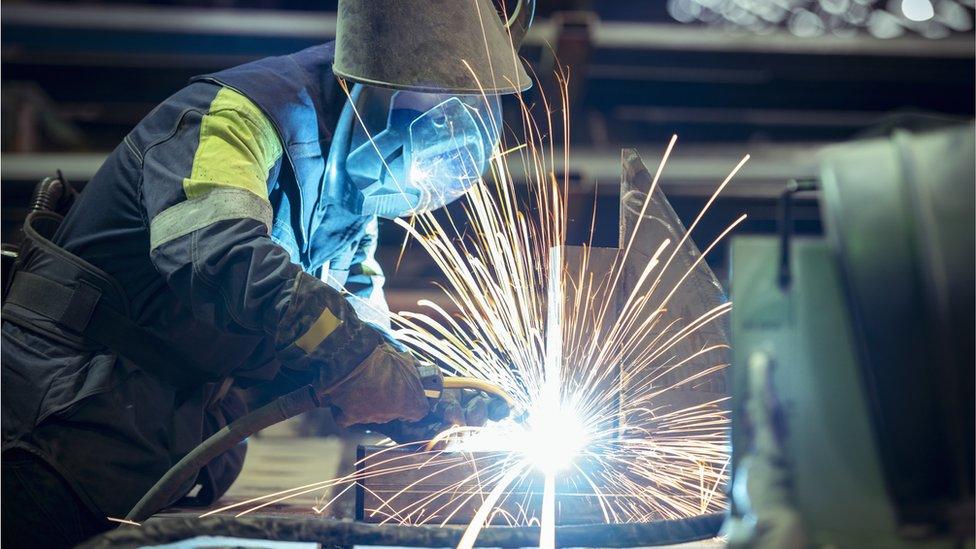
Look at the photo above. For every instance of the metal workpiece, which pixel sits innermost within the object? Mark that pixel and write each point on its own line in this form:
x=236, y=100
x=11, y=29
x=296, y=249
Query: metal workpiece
x=582, y=267
x=333, y=533
x=679, y=291
x=688, y=289
x=449, y=487
x=656, y=262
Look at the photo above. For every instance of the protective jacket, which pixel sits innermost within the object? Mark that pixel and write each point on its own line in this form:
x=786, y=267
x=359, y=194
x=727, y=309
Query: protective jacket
x=205, y=232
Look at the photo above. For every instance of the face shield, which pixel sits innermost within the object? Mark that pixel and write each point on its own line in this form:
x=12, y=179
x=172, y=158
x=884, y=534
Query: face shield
x=412, y=152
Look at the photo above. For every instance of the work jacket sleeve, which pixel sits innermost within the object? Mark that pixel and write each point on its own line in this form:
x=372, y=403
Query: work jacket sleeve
x=206, y=199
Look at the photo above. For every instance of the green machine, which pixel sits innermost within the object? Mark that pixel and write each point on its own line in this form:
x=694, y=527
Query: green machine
x=853, y=385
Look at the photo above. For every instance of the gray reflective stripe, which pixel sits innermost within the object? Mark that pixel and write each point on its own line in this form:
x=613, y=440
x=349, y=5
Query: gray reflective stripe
x=217, y=205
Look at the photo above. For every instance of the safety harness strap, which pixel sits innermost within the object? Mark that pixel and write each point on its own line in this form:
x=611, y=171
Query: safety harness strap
x=82, y=310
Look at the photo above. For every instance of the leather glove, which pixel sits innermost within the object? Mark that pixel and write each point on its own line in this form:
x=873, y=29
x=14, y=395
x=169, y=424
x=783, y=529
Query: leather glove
x=384, y=387
x=468, y=407
x=464, y=407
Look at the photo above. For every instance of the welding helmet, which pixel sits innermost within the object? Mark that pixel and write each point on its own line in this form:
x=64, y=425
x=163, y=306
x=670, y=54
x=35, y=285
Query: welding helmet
x=424, y=114
x=436, y=46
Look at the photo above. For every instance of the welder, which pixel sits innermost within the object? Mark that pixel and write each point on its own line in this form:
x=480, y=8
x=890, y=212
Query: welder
x=228, y=242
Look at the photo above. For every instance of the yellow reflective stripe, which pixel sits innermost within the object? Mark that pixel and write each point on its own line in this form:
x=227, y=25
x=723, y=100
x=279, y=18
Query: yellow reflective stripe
x=371, y=267
x=196, y=213
x=318, y=331
x=238, y=146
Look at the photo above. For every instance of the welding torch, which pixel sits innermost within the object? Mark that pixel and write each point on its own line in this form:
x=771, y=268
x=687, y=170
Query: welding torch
x=451, y=400
x=435, y=384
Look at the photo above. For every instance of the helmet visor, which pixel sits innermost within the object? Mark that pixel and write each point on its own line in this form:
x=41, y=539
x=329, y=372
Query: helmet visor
x=428, y=150
x=448, y=150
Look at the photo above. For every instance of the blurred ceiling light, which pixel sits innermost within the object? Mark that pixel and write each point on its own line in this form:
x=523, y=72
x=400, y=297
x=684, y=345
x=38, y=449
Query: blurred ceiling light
x=684, y=11
x=954, y=16
x=935, y=30
x=835, y=7
x=882, y=24
x=857, y=15
x=806, y=24
x=917, y=10
x=812, y=18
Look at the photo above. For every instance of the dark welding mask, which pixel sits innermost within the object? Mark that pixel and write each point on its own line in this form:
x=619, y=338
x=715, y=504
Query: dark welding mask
x=424, y=115
x=412, y=152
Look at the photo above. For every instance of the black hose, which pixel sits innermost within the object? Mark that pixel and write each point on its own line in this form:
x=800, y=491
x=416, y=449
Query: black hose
x=165, y=490
x=785, y=278
x=332, y=533
x=53, y=194
x=47, y=194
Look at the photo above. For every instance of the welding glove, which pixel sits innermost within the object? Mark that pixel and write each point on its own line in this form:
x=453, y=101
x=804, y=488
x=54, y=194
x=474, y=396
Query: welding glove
x=383, y=388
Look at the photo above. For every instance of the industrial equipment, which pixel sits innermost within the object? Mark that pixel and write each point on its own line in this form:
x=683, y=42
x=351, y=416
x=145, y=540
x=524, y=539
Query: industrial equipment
x=853, y=362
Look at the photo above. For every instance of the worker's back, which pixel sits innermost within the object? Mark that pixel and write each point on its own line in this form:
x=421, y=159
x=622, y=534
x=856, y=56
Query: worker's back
x=62, y=392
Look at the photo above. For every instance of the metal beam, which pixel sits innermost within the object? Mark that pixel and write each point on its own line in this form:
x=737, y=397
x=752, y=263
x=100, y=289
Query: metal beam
x=333, y=533
x=606, y=34
x=652, y=36
x=173, y=19
x=692, y=170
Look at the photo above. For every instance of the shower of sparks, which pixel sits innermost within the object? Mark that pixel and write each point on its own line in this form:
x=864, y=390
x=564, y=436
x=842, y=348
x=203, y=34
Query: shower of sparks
x=545, y=332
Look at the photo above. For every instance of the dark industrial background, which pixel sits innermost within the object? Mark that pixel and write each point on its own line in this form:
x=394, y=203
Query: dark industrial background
x=777, y=80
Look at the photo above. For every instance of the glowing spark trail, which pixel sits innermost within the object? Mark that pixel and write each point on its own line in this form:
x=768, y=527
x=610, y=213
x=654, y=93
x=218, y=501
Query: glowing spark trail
x=544, y=330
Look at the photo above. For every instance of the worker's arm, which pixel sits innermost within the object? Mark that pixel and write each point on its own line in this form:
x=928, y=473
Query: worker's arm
x=206, y=199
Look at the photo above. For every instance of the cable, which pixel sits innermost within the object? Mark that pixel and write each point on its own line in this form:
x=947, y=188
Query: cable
x=169, y=487
x=481, y=385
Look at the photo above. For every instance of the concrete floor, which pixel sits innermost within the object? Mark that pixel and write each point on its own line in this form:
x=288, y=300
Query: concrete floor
x=277, y=459
x=275, y=464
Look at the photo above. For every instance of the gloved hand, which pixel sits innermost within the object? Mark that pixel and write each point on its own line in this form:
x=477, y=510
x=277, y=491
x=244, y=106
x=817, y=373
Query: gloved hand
x=463, y=407
x=384, y=387
x=468, y=407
